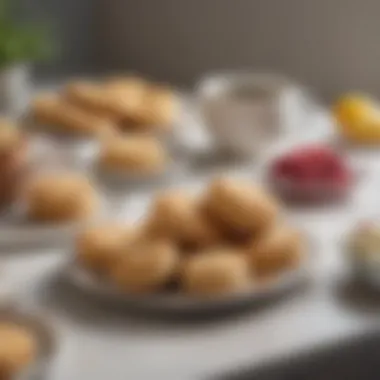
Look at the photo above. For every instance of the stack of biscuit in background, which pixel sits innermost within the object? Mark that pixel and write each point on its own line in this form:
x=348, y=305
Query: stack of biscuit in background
x=115, y=111
x=230, y=238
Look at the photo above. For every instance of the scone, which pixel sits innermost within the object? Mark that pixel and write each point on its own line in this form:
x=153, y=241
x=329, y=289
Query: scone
x=176, y=215
x=100, y=247
x=131, y=87
x=60, y=198
x=146, y=266
x=10, y=136
x=133, y=155
x=18, y=348
x=280, y=248
x=46, y=109
x=159, y=109
x=92, y=98
x=13, y=161
x=126, y=95
x=116, y=99
x=59, y=116
x=215, y=273
x=239, y=207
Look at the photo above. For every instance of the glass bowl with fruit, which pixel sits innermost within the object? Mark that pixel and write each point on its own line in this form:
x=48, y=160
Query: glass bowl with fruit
x=311, y=173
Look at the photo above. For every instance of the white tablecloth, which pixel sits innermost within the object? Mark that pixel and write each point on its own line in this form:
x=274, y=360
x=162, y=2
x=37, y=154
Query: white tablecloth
x=98, y=344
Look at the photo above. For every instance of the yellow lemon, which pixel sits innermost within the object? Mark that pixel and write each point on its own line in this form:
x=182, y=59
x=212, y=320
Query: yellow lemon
x=358, y=118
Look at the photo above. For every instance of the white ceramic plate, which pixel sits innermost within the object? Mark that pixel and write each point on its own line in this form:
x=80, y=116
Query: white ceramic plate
x=46, y=340
x=180, y=303
x=117, y=181
x=18, y=232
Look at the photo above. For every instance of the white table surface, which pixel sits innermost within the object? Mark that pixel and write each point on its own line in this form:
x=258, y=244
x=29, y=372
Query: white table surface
x=98, y=344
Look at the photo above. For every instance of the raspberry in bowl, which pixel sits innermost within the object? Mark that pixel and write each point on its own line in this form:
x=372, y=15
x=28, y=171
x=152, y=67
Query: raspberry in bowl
x=311, y=173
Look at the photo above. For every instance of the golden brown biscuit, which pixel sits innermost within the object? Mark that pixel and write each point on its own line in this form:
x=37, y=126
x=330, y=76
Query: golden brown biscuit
x=116, y=99
x=100, y=247
x=46, y=108
x=130, y=86
x=133, y=155
x=129, y=92
x=10, y=136
x=239, y=207
x=13, y=161
x=159, y=109
x=176, y=215
x=146, y=266
x=18, y=349
x=62, y=117
x=215, y=273
x=60, y=197
x=279, y=248
x=93, y=98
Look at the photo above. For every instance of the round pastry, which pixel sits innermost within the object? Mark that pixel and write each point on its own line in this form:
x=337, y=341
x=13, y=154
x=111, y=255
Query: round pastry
x=159, y=109
x=239, y=207
x=100, y=247
x=46, y=108
x=279, y=248
x=176, y=215
x=10, y=136
x=215, y=273
x=92, y=98
x=13, y=161
x=18, y=349
x=60, y=197
x=132, y=87
x=146, y=265
x=133, y=155
x=127, y=95
x=62, y=117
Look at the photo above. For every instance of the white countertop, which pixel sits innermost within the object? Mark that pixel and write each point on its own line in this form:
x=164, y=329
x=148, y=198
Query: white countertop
x=98, y=344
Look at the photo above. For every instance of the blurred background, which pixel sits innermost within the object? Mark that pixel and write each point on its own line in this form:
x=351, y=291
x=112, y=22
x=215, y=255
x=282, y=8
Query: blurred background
x=329, y=45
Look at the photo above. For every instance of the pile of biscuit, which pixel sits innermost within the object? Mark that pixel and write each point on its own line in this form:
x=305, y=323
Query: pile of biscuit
x=127, y=115
x=224, y=241
x=129, y=104
x=64, y=196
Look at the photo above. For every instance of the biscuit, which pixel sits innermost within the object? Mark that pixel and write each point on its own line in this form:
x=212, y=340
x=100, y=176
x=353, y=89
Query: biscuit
x=146, y=266
x=126, y=95
x=239, y=207
x=277, y=249
x=100, y=247
x=18, y=348
x=10, y=136
x=60, y=197
x=92, y=98
x=215, y=273
x=61, y=117
x=176, y=215
x=13, y=161
x=46, y=109
x=159, y=109
x=133, y=155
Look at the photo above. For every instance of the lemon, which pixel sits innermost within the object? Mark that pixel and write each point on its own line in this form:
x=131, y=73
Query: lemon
x=358, y=118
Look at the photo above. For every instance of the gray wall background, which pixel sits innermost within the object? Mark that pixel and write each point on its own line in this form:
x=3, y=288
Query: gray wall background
x=332, y=45
x=75, y=24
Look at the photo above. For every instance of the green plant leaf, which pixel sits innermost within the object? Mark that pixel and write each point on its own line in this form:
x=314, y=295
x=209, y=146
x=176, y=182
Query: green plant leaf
x=22, y=42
